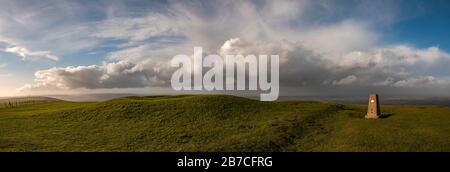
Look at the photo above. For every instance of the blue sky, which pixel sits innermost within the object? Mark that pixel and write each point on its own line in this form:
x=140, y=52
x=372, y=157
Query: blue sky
x=428, y=28
x=61, y=47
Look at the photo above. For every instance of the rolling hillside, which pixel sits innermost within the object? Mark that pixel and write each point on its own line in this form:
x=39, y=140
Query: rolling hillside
x=219, y=123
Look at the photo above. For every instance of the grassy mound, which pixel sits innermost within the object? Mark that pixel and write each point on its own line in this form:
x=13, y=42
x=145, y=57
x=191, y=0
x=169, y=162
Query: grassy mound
x=218, y=123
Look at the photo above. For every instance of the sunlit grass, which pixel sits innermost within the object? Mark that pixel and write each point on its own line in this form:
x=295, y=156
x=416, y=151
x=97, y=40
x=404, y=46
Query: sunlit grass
x=219, y=123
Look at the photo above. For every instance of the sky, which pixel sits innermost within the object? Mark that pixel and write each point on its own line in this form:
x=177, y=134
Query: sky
x=326, y=48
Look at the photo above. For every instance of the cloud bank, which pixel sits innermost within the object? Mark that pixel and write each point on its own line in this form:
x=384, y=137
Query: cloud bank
x=122, y=74
x=300, y=67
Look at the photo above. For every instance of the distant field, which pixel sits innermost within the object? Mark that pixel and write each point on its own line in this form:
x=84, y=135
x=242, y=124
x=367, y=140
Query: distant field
x=219, y=123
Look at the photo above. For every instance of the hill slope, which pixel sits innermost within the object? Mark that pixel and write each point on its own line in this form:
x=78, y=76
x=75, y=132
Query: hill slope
x=219, y=123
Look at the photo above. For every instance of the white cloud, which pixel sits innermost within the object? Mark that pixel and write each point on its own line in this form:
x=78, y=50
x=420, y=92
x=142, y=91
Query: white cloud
x=121, y=74
x=27, y=54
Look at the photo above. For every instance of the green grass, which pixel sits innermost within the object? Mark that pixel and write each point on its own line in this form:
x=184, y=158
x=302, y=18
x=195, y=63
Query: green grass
x=219, y=123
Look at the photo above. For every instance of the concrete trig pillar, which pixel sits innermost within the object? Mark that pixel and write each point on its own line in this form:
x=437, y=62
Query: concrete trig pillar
x=373, y=111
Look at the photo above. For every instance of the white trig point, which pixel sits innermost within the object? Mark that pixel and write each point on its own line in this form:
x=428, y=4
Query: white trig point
x=373, y=111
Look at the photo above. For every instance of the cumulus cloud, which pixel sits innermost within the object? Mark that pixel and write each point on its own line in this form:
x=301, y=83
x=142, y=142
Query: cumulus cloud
x=121, y=74
x=301, y=67
x=399, y=66
x=27, y=54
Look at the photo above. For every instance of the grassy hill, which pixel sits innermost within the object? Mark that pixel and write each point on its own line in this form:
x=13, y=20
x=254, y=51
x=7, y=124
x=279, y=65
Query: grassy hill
x=219, y=123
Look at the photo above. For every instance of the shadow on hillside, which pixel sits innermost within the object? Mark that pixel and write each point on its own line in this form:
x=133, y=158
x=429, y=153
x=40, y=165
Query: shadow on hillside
x=361, y=115
x=385, y=115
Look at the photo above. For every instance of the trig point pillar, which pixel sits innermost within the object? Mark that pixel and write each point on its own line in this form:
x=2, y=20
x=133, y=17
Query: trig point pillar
x=373, y=112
